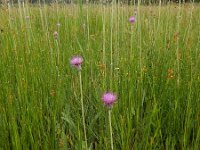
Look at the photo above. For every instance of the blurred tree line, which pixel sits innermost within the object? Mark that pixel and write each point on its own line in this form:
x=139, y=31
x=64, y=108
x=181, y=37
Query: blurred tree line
x=146, y=2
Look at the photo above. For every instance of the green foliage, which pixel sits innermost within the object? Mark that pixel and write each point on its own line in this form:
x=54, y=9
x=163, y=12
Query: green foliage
x=153, y=66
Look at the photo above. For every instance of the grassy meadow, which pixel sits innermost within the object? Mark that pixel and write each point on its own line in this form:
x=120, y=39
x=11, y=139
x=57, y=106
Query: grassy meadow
x=153, y=65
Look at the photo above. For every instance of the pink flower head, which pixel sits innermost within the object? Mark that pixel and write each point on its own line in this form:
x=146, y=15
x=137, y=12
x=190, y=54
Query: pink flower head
x=76, y=62
x=132, y=19
x=55, y=34
x=109, y=98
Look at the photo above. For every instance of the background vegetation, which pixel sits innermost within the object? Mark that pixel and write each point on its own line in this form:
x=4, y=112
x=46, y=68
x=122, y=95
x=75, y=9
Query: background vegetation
x=130, y=2
x=153, y=66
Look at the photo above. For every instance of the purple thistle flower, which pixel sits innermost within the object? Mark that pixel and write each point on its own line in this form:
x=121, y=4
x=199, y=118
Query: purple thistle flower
x=55, y=34
x=132, y=19
x=76, y=62
x=109, y=98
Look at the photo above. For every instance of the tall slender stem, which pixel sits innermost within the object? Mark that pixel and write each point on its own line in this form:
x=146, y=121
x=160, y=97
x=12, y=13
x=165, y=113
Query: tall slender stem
x=104, y=44
x=82, y=107
x=111, y=42
x=58, y=53
x=111, y=138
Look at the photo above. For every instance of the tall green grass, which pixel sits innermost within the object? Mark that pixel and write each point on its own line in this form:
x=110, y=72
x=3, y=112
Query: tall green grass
x=153, y=65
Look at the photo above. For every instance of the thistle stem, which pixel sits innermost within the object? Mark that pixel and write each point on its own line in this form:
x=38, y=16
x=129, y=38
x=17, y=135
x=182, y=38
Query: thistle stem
x=82, y=108
x=111, y=138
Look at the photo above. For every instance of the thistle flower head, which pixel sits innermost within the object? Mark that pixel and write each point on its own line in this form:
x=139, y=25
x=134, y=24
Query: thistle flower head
x=55, y=34
x=76, y=62
x=135, y=12
x=109, y=98
x=132, y=19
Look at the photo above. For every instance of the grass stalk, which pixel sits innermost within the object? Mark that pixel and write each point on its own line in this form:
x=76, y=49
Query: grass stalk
x=110, y=126
x=82, y=109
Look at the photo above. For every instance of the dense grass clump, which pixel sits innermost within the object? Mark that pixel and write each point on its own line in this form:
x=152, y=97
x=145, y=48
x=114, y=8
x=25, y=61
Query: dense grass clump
x=153, y=64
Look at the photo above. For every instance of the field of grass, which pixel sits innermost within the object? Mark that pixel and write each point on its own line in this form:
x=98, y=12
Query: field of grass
x=153, y=65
